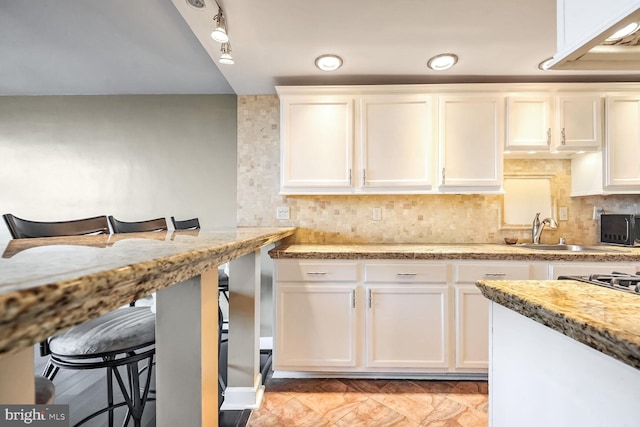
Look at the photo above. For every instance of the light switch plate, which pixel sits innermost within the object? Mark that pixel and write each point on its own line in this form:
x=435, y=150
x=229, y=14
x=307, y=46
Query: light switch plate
x=282, y=212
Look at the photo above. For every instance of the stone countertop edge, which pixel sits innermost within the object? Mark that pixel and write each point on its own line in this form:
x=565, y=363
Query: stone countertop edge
x=449, y=252
x=604, y=319
x=30, y=314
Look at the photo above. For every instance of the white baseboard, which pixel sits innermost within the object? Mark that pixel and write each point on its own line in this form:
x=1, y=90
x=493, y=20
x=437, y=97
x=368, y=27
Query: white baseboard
x=386, y=375
x=238, y=398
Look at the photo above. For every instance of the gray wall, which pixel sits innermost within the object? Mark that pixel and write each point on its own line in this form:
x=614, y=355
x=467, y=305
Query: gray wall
x=134, y=157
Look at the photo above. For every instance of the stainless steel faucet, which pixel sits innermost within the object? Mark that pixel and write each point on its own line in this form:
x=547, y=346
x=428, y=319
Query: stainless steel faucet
x=538, y=226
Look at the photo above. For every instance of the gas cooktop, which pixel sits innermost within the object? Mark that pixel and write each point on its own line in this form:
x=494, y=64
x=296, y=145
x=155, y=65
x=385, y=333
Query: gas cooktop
x=619, y=281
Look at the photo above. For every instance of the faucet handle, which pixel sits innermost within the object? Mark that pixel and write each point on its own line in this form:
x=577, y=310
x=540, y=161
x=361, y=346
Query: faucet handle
x=536, y=220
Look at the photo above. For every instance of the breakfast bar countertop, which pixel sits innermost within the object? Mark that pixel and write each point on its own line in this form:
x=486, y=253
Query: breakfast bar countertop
x=50, y=284
x=443, y=251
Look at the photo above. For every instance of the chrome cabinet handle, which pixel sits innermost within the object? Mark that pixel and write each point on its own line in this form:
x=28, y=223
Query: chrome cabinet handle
x=364, y=177
x=564, y=138
x=442, y=176
x=369, y=298
x=349, y=176
x=353, y=298
x=316, y=273
x=549, y=137
x=495, y=274
x=405, y=274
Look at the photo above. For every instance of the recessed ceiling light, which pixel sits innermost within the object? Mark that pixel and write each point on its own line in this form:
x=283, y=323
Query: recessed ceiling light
x=442, y=62
x=624, y=32
x=197, y=4
x=328, y=62
x=544, y=65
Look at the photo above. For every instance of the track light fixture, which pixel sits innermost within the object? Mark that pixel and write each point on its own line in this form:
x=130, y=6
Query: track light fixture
x=219, y=34
x=226, y=57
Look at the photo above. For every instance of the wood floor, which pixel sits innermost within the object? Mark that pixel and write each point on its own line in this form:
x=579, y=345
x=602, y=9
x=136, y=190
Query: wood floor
x=368, y=403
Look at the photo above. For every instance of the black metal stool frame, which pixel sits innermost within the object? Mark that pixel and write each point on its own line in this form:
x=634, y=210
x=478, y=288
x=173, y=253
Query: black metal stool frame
x=138, y=396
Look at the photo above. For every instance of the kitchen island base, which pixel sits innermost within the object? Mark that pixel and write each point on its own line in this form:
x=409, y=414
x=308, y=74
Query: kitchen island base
x=540, y=377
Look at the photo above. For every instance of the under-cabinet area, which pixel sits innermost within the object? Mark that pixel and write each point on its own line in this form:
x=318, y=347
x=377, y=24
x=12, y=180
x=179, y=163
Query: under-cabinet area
x=400, y=318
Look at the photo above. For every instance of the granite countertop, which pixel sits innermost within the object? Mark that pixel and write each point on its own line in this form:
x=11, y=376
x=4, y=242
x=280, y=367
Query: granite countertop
x=604, y=319
x=50, y=284
x=451, y=251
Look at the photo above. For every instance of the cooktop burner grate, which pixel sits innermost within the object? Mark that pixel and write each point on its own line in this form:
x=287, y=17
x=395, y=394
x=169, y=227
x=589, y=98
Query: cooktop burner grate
x=620, y=281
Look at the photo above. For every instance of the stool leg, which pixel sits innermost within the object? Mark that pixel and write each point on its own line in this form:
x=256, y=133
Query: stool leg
x=110, y=394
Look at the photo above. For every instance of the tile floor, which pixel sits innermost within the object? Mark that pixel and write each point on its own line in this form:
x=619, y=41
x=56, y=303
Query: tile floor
x=353, y=402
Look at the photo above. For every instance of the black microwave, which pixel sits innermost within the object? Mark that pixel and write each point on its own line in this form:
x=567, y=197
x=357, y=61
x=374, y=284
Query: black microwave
x=620, y=229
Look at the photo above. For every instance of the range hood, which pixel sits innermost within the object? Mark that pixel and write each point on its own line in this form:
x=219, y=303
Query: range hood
x=583, y=28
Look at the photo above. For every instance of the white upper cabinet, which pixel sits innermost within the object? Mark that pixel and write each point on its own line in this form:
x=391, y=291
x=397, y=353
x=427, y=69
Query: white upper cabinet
x=579, y=122
x=563, y=122
x=470, y=137
x=317, y=136
x=528, y=123
x=396, y=149
x=622, y=148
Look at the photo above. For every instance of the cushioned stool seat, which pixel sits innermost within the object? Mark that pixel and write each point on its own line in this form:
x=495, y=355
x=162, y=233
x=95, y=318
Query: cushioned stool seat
x=120, y=331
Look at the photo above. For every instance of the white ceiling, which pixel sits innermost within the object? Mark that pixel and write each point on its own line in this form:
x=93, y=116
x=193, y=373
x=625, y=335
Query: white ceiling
x=154, y=46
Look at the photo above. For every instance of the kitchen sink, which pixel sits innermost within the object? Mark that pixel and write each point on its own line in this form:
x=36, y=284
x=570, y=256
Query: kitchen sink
x=559, y=247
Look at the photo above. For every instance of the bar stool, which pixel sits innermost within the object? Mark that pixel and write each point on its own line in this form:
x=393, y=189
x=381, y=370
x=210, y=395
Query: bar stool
x=122, y=338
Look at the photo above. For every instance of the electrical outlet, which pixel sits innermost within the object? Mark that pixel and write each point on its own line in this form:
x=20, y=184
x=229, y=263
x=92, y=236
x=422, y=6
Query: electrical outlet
x=282, y=212
x=597, y=211
x=562, y=213
x=376, y=214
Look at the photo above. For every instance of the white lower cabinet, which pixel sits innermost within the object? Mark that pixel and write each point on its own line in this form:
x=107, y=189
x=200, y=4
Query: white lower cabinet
x=385, y=316
x=407, y=327
x=323, y=333
x=316, y=316
x=472, y=311
x=406, y=316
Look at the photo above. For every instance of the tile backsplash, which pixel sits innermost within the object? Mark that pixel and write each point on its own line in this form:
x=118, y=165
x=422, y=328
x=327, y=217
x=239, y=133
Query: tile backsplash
x=448, y=218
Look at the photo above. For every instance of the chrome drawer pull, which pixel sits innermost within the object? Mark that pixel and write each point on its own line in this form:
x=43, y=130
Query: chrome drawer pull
x=495, y=274
x=317, y=273
x=405, y=274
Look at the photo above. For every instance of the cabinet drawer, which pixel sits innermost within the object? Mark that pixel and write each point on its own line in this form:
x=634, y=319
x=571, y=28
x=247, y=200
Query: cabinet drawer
x=473, y=272
x=317, y=272
x=400, y=272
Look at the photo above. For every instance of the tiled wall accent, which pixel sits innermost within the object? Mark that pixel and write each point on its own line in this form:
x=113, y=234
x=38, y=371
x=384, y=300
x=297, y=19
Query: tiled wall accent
x=405, y=218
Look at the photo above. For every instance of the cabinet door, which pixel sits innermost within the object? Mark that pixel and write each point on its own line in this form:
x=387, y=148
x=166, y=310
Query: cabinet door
x=471, y=135
x=472, y=328
x=622, y=147
x=472, y=311
x=396, y=142
x=315, y=326
x=407, y=326
x=579, y=119
x=528, y=123
x=316, y=144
